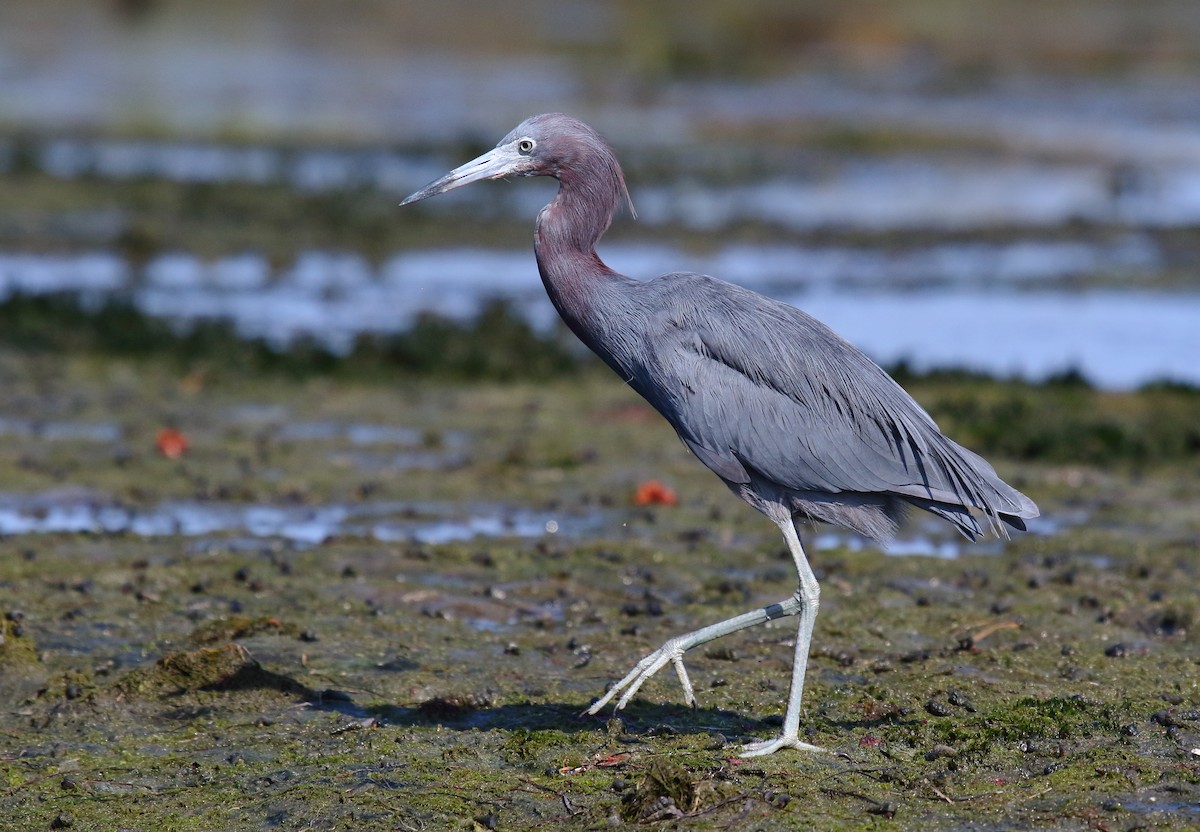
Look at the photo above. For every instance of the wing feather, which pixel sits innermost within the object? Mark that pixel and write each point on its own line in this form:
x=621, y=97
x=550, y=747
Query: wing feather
x=752, y=384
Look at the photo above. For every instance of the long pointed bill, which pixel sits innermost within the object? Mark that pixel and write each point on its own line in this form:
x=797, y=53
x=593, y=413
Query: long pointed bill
x=495, y=164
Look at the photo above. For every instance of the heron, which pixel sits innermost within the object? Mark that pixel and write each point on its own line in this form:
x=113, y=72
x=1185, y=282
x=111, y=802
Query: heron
x=790, y=416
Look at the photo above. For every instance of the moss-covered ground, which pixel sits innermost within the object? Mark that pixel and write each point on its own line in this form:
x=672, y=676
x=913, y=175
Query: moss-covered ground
x=233, y=682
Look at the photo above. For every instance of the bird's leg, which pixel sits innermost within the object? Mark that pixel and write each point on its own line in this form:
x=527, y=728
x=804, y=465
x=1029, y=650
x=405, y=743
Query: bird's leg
x=673, y=650
x=808, y=599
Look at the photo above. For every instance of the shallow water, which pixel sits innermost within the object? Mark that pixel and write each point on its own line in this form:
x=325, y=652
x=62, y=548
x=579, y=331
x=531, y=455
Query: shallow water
x=77, y=510
x=998, y=308
x=901, y=192
x=107, y=432
x=1117, y=339
x=80, y=511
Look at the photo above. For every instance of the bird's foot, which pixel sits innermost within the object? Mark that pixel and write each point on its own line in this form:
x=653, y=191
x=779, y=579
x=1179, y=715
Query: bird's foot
x=672, y=651
x=760, y=749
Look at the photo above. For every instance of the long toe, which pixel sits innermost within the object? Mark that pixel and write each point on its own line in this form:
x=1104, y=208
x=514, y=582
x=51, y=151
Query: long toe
x=671, y=652
x=760, y=749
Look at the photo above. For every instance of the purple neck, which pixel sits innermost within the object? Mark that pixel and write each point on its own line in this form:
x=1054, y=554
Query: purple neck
x=565, y=245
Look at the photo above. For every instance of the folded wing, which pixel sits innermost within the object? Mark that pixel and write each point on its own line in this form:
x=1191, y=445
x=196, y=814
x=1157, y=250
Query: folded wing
x=758, y=386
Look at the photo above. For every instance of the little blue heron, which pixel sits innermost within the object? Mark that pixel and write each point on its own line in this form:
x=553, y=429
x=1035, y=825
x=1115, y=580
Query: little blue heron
x=795, y=421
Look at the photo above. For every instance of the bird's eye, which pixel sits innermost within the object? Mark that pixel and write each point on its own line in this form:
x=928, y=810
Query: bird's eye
x=525, y=145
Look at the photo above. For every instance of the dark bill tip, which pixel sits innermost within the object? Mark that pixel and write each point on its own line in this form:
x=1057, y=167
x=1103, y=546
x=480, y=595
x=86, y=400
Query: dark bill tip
x=496, y=163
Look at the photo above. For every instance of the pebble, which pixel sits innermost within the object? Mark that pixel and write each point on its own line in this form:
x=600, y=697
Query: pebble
x=960, y=699
x=937, y=708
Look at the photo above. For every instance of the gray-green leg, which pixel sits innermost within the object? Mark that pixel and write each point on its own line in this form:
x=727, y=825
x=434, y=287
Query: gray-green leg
x=804, y=603
x=808, y=598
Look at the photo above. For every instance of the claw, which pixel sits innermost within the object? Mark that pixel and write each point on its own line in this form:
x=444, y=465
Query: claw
x=689, y=694
x=761, y=749
x=803, y=603
x=672, y=651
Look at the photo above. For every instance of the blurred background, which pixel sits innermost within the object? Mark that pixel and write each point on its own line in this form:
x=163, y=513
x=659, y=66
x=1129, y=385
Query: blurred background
x=1010, y=187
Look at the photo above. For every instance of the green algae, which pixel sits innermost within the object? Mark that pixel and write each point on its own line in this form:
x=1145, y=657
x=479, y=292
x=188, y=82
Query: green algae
x=202, y=683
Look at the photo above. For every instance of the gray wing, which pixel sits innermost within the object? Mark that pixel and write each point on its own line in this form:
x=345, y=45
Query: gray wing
x=755, y=385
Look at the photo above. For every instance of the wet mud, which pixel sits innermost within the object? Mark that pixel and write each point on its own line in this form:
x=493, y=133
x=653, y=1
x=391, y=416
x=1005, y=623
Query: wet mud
x=234, y=678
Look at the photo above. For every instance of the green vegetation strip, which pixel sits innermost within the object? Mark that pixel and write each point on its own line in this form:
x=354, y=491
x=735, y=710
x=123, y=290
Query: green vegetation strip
x=1060, y=420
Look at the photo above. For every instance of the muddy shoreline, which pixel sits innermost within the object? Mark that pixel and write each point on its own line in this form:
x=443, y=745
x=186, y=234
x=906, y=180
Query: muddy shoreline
x=235, y=680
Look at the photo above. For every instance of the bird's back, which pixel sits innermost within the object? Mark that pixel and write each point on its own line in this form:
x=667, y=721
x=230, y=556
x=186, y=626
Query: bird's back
x=782, y=408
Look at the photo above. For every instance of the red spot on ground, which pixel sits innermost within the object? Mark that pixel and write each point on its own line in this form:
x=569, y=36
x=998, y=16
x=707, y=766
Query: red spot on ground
x=654, y=493
x=171, y=443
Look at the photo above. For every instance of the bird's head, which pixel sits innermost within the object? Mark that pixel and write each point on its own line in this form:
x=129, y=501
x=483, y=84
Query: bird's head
x=552, y=144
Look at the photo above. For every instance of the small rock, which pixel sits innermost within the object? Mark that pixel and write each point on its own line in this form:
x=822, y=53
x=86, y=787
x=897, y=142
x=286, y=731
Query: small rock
x=937, y=708
x=1164, y=718
x=1116, y=651
x=959, y=699
x=777, y=799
